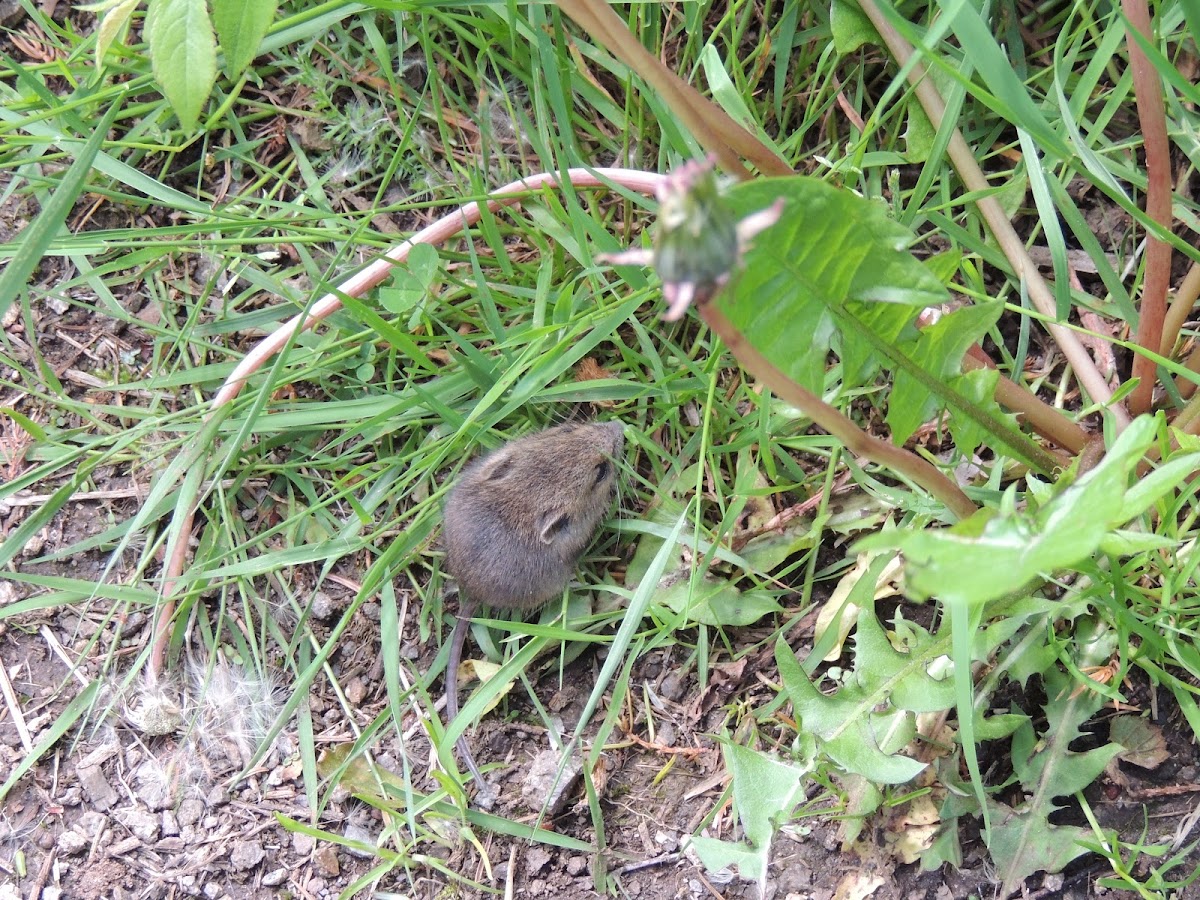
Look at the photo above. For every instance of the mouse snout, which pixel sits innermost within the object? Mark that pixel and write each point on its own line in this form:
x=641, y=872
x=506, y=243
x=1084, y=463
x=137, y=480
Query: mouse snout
x=616, y=434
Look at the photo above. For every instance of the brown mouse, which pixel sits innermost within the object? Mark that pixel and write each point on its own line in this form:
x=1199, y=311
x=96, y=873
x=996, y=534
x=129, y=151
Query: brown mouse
x=516, y=524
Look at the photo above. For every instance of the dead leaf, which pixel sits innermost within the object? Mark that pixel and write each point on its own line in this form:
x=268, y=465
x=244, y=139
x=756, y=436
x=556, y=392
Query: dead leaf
x=840, y=614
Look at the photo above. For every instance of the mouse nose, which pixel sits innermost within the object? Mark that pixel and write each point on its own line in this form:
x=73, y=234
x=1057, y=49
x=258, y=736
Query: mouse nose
x=617, y=429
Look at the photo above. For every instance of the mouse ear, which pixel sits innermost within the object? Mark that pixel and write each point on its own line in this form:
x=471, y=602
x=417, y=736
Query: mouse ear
x=496, y=466
x=553, y=524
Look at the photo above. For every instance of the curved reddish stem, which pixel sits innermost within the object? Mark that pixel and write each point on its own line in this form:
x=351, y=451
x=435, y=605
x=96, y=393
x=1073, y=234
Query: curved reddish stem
x=1148, y=89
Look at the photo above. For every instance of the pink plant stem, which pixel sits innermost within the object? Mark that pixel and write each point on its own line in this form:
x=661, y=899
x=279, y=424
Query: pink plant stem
x=1148, y=89
x=355, y=286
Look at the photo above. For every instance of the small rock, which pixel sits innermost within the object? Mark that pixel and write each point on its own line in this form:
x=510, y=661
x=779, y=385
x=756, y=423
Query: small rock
x=9, y=892
x=91, y=823
x=246, y=855
x=190, y=811
x=669, y=841
x=96, y=786
x=673, y=686
x=356, y=831
x=72, y=796
x=303, y=844
x=153, y=788
x=275, y=878
x=144, y=825
x=543, y=788
x=536, y=859
x=212, y=890
x=72, y=842
x=52, y=893
x=323, y=606
x=326, y=860
x=356, y=691
x=218, y=796
x=576, y=866
x=169, y=825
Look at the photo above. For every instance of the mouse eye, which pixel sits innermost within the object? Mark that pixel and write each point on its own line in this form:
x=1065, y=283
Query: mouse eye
x=602, y=470
x=555, y=527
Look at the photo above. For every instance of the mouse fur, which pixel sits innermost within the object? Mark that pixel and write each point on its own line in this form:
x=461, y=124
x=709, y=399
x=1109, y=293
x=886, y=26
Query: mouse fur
x=518, y=520
x=516, y=523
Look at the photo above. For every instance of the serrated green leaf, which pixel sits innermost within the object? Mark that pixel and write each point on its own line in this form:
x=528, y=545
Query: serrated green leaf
x=183, y=53
x=1023, y=843
x=979, y=388
x=845, y=723
x=764, y=790
x=750, y=862
x=767, y=552
x=1023, y=840
x=241, y=26
x=988, y=556
x=830, y=248
x=903, y=678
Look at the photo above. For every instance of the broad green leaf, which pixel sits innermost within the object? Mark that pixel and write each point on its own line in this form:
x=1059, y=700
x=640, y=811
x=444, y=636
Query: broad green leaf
x=988, y=556
x=764, y=789
x=851, y=29
x=716, y=602
x=183, y=53
x=241, y=25
x=1172, y=474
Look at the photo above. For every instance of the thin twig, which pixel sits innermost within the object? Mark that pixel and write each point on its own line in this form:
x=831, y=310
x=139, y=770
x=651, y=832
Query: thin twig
x=709, y=124
x=840, y=426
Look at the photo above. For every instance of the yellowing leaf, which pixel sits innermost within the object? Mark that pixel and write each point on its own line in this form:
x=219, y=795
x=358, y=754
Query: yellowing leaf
x=482, y=670
x=839, y=613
